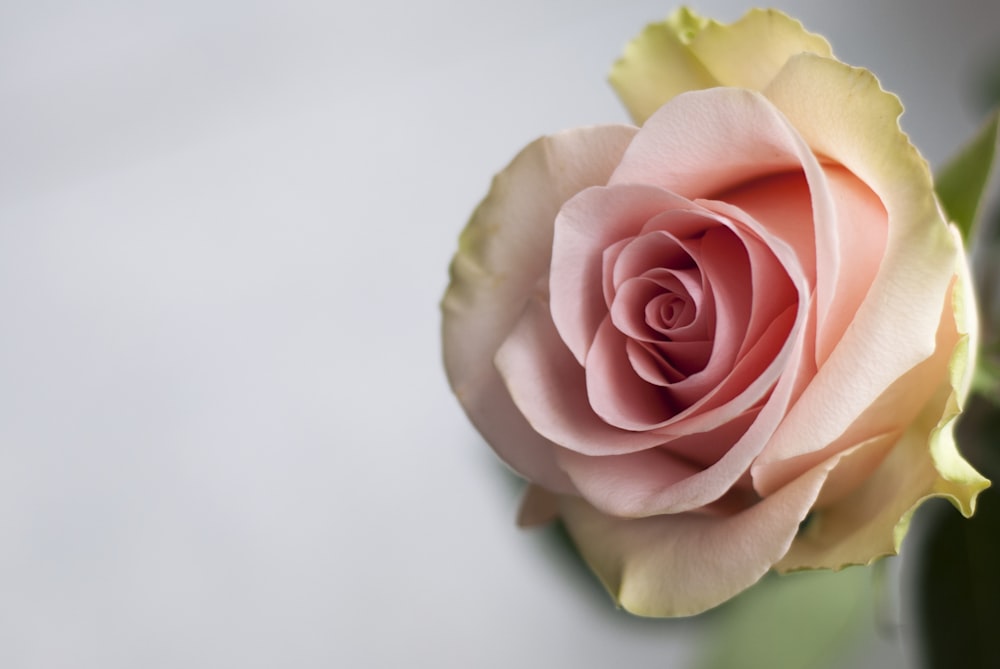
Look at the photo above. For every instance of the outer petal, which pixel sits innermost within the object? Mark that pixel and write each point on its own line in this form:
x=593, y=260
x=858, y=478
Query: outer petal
x=844, y=115
x=681, y=565
x=503, y=252
x=873, y=520
x=686, y=52
x=659, y=64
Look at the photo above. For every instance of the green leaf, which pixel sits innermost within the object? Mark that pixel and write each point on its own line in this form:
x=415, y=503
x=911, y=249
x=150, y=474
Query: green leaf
x=801, y=620
x=961, y=183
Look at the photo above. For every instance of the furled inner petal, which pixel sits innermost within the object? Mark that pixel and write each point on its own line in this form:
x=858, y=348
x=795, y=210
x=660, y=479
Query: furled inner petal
x=726, y=292
x=665, y=363
x=651, y=307
x=588, y=225
x=549, y=388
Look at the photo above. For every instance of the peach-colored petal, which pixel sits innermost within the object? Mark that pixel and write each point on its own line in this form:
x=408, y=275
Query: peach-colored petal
x=782, y=204
x=502, y=253
x=704, y=143
x=680, y=565
x=871, y=521
x=720, y=140
x=861, y=233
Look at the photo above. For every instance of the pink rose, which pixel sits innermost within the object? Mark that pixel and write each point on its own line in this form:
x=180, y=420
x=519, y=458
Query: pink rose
x=694, y=335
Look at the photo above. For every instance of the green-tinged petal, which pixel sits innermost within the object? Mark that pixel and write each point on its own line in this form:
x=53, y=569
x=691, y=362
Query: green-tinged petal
x=778, y=625
x=656, y=66
x=961, y=183
x=686, y=24
x=502, y=254
x=683, y=564
x=872, y=521
x=687, y=52
x=750, y=52
x=959, y=481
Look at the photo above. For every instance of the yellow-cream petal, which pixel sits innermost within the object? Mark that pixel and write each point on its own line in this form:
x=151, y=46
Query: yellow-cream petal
x=688, y=52
x=684, y=564
x=845, y=116
x=872, y=521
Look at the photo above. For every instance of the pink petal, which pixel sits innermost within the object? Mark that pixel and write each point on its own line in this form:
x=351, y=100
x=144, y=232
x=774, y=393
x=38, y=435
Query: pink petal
x=588, y=224
x=549, y=388
x=705, y=142
x=512, y=228
x=617, y=393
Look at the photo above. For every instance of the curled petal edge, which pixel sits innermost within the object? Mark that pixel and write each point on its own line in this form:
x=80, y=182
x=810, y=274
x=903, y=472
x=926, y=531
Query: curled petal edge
x=924, y=464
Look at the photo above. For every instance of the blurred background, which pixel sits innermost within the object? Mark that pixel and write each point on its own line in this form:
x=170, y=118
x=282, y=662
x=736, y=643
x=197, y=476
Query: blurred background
x=225, y=435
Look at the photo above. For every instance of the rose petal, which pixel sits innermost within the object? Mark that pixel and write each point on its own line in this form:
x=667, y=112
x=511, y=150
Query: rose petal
x=781, y=204
x=861, y=236
x=512, y=228
x=638, y=307
x=656, y=66
x=591, y=222
x=750, y=52
x=894, y=328
x=704, y=143
x=686, y=474
x=873, y=519
x=617, y=393
x=688, y=53
x=548, y=386
x=680, y=565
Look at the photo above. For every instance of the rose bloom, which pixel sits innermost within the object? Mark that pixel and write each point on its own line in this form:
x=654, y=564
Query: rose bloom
x=733, y=339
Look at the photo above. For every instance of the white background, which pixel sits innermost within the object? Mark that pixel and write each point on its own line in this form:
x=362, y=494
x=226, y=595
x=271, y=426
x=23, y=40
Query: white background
x=225, y=436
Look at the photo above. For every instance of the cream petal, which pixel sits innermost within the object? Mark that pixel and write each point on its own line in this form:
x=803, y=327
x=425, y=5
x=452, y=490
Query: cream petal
x=872, y=521
x=689, y=53
x=681, y=565
x=895, y=327
x=512, y=230
x=657, y=65
x=750, y=52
